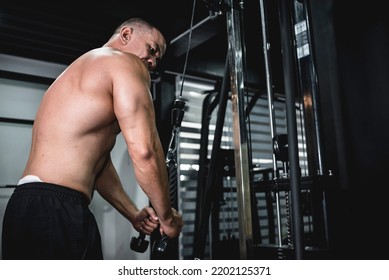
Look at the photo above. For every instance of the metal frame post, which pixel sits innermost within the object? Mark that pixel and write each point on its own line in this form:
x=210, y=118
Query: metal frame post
x=239, y=132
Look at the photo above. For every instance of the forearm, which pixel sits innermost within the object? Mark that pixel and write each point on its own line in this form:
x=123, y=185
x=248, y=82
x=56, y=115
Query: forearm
x=150, y=170
x=109, y=186
x=120, y=201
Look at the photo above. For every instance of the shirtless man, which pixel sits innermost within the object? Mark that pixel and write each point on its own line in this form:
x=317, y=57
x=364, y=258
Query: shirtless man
x=104, y=92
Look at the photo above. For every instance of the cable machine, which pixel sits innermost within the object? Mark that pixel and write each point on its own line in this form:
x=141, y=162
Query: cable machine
x=303, y=194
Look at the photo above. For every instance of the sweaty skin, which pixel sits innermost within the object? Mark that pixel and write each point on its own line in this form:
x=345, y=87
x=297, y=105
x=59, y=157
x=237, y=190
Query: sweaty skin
x=104, y=92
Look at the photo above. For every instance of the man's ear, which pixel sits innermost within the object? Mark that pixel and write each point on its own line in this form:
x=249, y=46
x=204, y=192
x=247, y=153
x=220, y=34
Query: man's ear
x=125, y=34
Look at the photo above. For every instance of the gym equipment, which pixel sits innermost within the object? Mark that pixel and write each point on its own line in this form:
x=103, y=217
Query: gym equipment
x=139, y=244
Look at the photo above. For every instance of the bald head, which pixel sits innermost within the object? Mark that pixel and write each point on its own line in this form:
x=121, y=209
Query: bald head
x=139, y=37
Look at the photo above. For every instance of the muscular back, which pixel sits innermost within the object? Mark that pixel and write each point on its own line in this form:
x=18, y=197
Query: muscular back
x=75, y=127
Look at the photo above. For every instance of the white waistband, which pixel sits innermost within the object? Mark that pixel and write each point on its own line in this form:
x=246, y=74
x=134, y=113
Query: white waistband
x=29, y=179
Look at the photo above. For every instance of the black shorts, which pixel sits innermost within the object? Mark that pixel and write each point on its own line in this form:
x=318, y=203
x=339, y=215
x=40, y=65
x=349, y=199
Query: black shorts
x=47, y=221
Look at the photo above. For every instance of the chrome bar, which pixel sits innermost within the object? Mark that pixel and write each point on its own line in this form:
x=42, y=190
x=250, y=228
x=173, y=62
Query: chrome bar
x=240, y=134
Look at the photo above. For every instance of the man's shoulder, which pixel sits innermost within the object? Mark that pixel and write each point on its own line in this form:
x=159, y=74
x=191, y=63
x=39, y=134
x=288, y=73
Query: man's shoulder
x=114, y=56
x=113, y=63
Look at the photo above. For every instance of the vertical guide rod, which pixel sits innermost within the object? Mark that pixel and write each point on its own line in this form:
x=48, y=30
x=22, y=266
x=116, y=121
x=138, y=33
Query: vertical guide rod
x=289, y=87
x=239, y=133
x=272, y=116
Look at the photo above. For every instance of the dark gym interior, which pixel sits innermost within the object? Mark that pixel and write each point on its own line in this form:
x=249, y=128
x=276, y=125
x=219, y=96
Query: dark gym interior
x=342, y=80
